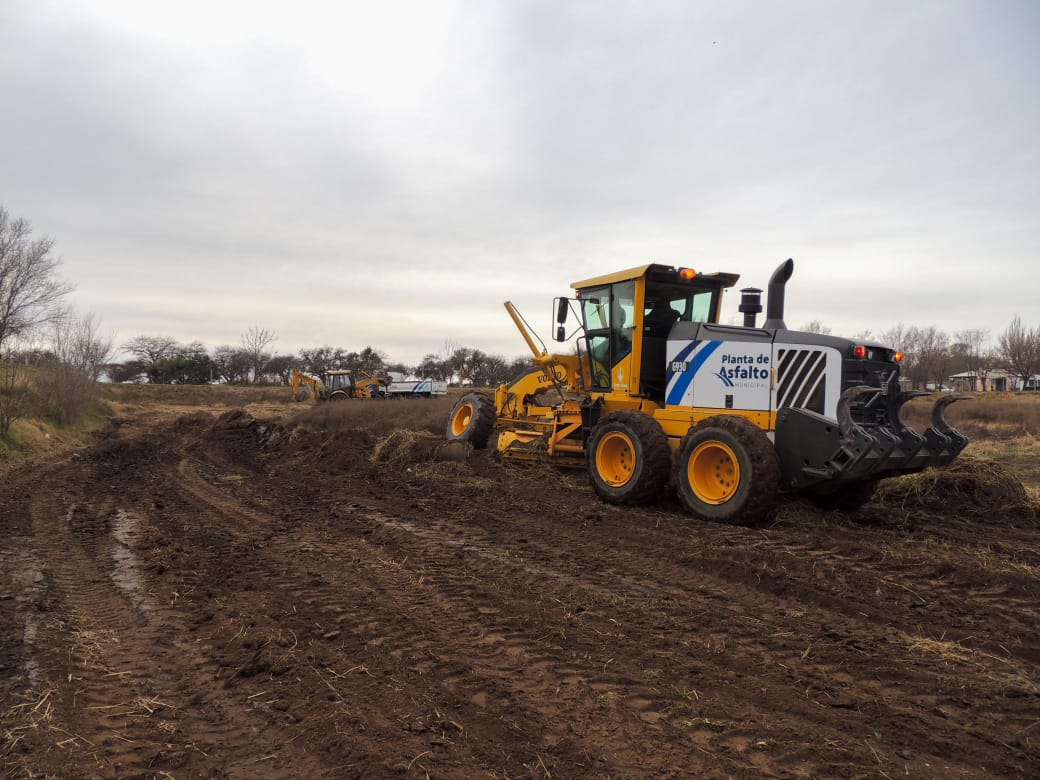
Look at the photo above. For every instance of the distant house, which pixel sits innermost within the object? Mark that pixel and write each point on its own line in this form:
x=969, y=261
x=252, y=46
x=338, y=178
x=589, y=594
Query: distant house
x=996, y=381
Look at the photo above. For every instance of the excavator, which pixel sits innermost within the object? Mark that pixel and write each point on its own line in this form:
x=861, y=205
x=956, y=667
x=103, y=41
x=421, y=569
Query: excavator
x=658, y=392
x=337, y=385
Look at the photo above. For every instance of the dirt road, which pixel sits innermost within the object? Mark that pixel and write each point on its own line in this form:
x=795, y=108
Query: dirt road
x=236, y=597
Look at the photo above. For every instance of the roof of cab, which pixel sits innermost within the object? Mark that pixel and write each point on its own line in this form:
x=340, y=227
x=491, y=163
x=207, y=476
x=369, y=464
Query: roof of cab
x=725, y=279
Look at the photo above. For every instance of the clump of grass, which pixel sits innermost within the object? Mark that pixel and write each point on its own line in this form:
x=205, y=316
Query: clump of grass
x=980, y=487
x=405, y=446
x=27, y=437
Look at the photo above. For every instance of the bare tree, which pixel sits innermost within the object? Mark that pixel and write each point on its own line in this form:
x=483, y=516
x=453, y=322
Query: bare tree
x=318, y=360
x=434, y=367
x=30, y=291
x=906, y=340
x=460, y=360
x=15, y=389
x=254, y=342
x=151, y=349
x=895, y=337
x=79, y=352
x=231, y=363
x=934, y=355
x=281, y=367
x=1020, y=347
x=977, y=356
x=815, y=326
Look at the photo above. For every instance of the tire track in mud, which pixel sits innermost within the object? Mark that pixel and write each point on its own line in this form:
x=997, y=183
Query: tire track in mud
x=369, y=637
x=506, y=660
x=813, y=682
x=485, y=564
x=810, y=690
x=22, y=582
x=850, y=651
x=327, y=609
x=143, y=693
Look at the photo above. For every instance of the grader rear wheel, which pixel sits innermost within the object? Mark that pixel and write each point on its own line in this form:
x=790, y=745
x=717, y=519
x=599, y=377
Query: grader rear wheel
x=628, y=458
x=727, y=470
x=472, y=420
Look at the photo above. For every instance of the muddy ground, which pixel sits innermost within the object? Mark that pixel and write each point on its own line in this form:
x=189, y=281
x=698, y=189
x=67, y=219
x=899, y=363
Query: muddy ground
x=285, y=594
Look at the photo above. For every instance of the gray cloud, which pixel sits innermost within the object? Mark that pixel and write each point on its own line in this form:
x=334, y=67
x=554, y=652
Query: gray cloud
x=353, y=175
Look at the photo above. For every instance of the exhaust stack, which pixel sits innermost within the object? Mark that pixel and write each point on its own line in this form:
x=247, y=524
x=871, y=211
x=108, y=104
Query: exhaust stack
x=750, y=305
x=775, y=302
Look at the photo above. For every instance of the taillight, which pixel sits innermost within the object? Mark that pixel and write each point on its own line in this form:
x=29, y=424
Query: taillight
x=859, y=351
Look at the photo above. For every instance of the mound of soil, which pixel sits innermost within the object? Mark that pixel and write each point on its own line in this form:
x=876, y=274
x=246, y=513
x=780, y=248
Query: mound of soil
x=978, y=487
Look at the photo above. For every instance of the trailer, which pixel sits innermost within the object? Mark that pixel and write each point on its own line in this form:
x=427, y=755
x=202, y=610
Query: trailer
x=411, y=387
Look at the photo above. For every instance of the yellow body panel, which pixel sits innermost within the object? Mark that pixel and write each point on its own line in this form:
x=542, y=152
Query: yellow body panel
x=676, y=421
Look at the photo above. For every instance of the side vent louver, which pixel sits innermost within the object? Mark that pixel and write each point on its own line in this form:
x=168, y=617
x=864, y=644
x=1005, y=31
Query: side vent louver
x=800, y=379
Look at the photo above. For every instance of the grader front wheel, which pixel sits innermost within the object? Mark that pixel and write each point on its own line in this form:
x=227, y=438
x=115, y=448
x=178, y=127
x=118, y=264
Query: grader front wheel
x=628, y=458
x=472, y=420
x=727, y=470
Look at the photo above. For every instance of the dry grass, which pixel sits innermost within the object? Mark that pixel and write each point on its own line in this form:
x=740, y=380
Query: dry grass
x=985, y=416
x=380, y=418
x=405, y=446
x=195, y=395
x=979, y=487
x=1002, y=427
x=1000, y=669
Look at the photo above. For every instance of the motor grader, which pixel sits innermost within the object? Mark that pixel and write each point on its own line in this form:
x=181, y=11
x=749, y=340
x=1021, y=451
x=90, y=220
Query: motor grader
x=659, y=392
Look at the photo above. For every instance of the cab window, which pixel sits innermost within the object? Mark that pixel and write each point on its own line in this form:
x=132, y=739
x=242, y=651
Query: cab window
x=609, y=314
x=666, y=304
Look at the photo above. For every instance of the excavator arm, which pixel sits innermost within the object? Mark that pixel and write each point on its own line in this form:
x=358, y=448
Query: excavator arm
x=299, y=381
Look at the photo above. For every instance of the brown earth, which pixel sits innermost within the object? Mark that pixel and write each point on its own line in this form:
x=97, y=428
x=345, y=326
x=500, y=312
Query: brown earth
x=277, y=594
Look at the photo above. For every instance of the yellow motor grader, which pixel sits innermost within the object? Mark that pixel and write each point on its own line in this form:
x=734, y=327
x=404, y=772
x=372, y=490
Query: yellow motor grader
x=658, y=391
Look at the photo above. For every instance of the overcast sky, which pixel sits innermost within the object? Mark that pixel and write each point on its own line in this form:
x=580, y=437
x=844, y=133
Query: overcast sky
x=388, y=173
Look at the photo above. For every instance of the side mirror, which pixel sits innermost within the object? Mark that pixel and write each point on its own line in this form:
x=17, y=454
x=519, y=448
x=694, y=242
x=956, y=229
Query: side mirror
x=563, y=307
x=562, y=310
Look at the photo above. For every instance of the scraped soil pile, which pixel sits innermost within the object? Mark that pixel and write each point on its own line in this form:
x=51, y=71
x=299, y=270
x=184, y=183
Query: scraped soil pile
x=337, y=593
x=978, y=487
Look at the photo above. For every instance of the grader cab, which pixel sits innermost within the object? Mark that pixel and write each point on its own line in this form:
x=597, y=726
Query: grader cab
x=658, y=391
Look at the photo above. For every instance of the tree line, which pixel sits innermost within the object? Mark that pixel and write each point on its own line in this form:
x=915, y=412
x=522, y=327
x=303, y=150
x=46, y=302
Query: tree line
x=162, y=360
x=931, y=356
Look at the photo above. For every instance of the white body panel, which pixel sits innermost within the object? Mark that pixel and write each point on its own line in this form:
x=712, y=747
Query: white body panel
x=753, y=375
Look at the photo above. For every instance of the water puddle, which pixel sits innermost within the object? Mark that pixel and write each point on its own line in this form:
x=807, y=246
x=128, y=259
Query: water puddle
x=26, y=576
x=125, y=566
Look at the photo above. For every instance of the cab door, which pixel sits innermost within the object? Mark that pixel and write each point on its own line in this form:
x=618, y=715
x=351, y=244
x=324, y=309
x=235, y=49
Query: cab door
x=609, y=318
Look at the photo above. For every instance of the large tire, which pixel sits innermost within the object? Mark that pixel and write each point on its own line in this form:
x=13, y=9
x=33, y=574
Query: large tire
x=847, y=497
x=628, y=458
x=472, y=420
x=727, y=470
